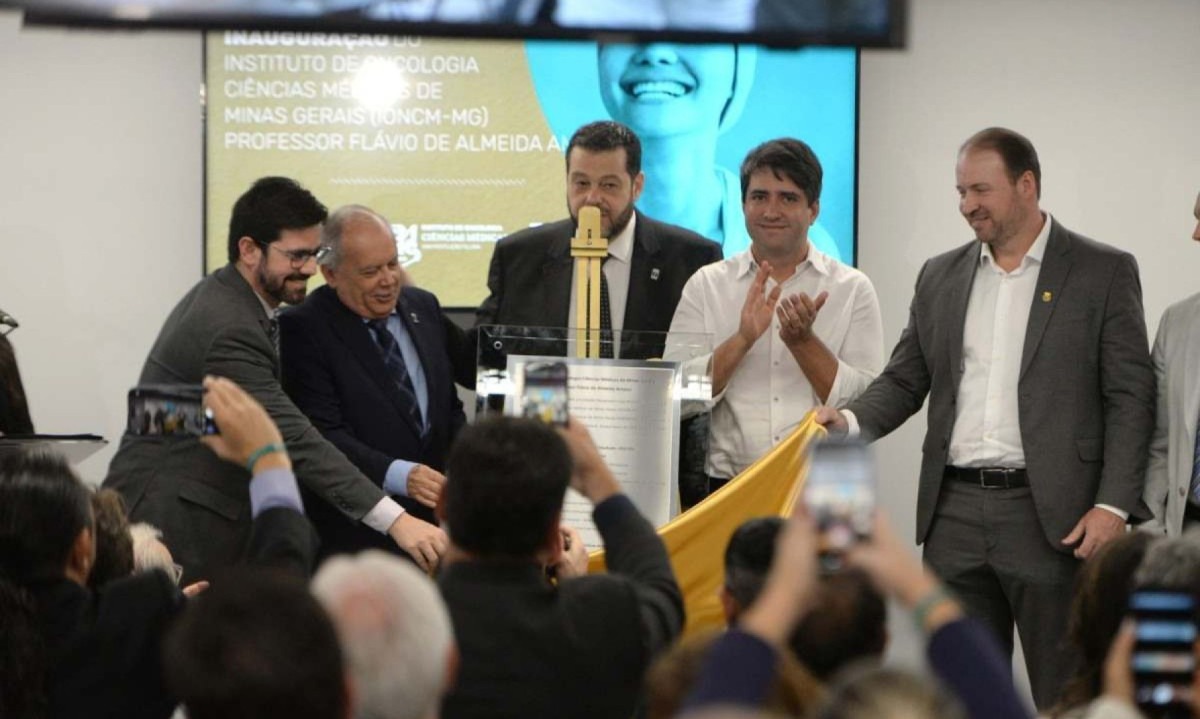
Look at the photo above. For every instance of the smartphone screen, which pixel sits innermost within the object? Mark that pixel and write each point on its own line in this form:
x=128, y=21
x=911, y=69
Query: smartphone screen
x=544, y=392
x=1164, y=659
x=840, y=496
x=169, y=411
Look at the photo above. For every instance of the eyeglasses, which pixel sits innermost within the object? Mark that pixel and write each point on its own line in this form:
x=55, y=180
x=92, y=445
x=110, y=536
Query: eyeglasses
x=298, y=258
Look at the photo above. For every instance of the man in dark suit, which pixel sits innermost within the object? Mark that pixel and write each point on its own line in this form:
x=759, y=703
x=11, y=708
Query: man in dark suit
x=225, y=326
x=1031, y=346
x=531, y=275
x=529, y=647
x=396, y=428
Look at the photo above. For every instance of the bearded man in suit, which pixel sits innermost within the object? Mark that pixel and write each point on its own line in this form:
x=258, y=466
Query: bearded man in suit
x=1030, y=343
x=226, y=326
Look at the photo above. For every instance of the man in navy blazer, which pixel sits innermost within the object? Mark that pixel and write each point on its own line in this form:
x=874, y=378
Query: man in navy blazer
x=394, y=418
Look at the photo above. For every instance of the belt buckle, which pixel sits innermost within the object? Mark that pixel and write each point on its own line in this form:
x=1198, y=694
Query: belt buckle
x=995, y=478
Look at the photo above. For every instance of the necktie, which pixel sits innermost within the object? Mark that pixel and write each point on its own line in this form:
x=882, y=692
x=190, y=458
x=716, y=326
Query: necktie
x=606, y=334
x=1196, y=469
x=273, y=330
x=394, y=359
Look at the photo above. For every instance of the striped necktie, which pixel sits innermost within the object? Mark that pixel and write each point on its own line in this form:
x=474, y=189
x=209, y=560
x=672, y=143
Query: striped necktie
x=394, y=359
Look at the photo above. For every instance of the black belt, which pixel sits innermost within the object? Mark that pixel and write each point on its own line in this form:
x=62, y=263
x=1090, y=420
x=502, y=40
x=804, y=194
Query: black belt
x=989, y=477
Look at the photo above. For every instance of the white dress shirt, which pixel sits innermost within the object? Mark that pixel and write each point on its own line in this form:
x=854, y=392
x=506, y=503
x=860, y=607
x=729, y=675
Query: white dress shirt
x=987, y=423
x=767, y=395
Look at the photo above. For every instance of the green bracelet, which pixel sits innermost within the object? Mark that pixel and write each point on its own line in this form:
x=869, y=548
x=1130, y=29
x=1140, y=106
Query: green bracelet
x=932, y=598
x=262, y=452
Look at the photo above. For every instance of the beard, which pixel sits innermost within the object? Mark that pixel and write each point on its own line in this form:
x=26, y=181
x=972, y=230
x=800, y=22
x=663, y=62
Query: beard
x=277, y=288
x=620, y=222
x=616, y=224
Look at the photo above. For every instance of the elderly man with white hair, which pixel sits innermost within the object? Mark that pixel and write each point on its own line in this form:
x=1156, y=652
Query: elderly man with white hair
x=395, y=634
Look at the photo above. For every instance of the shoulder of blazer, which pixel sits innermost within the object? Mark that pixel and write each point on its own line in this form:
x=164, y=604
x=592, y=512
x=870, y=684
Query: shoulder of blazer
x=1063, y=240
x=951, y=259
x=541, y=237
x=654, y=236
x=225, y=288
x=320, y=306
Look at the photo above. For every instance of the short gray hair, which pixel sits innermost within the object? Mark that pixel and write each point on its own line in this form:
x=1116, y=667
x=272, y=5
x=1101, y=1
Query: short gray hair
x=335, y=227
x=1172, y=563
x=394, y=630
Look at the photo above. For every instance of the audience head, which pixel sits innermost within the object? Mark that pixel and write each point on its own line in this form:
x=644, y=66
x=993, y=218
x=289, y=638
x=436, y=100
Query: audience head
x=787, y=159
x=256, y=644
x=747, y=561
x=848, y=618
x=150, y=553
x=872, y=692
x=14, y=408
x=506, y=478
x=1097, y=607
x=114, y=544
x=1172, y=563
x=793, y=692
x=45, y=519
x=394, y=630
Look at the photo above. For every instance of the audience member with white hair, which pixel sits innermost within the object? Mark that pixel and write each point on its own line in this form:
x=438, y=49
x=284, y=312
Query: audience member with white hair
x=394, y=631
x=149, y=552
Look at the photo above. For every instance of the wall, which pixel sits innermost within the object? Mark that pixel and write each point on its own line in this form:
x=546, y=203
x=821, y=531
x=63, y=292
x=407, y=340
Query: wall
x=101, y=175
x=100, y=211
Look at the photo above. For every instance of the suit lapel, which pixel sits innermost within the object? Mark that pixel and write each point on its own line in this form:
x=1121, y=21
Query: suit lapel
x=361, y=344
x=229, y=276
x=1048, y=295
x=957, y=296
x=556, y=282
x=643, y=275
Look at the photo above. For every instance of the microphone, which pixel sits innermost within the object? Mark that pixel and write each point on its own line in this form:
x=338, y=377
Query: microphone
x=7, y=319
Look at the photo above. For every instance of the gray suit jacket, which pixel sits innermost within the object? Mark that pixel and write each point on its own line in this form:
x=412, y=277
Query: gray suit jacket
x=200, y=502
x=1173, y=446
x=1086, y=388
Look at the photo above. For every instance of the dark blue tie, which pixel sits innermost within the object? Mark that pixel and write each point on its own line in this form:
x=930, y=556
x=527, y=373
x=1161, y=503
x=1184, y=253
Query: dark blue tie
x=394, y=360
x=606, y=333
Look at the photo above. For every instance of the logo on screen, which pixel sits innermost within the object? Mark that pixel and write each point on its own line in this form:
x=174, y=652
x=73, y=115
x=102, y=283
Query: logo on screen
x=407, y=243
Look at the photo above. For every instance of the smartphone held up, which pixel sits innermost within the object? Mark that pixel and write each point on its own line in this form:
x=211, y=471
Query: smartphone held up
x=169, y=411
x=543, y=393
x=1164, y=658
x=840, y=496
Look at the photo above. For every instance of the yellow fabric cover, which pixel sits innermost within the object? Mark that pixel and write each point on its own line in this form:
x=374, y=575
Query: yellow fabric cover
x=696, y=539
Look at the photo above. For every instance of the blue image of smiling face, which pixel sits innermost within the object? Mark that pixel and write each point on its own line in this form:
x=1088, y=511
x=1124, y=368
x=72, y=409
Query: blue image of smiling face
x=698, y=109
x=662, y=89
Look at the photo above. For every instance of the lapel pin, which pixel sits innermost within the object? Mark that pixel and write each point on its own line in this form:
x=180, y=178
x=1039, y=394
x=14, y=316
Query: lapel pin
x=413, y=316
x=1047, y=296
x=654, y=274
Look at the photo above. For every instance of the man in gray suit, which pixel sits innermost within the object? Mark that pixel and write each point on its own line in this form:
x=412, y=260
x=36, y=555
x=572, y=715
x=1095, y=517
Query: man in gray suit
x=1174, y=470
x=1031, y=346
x=225, y=326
